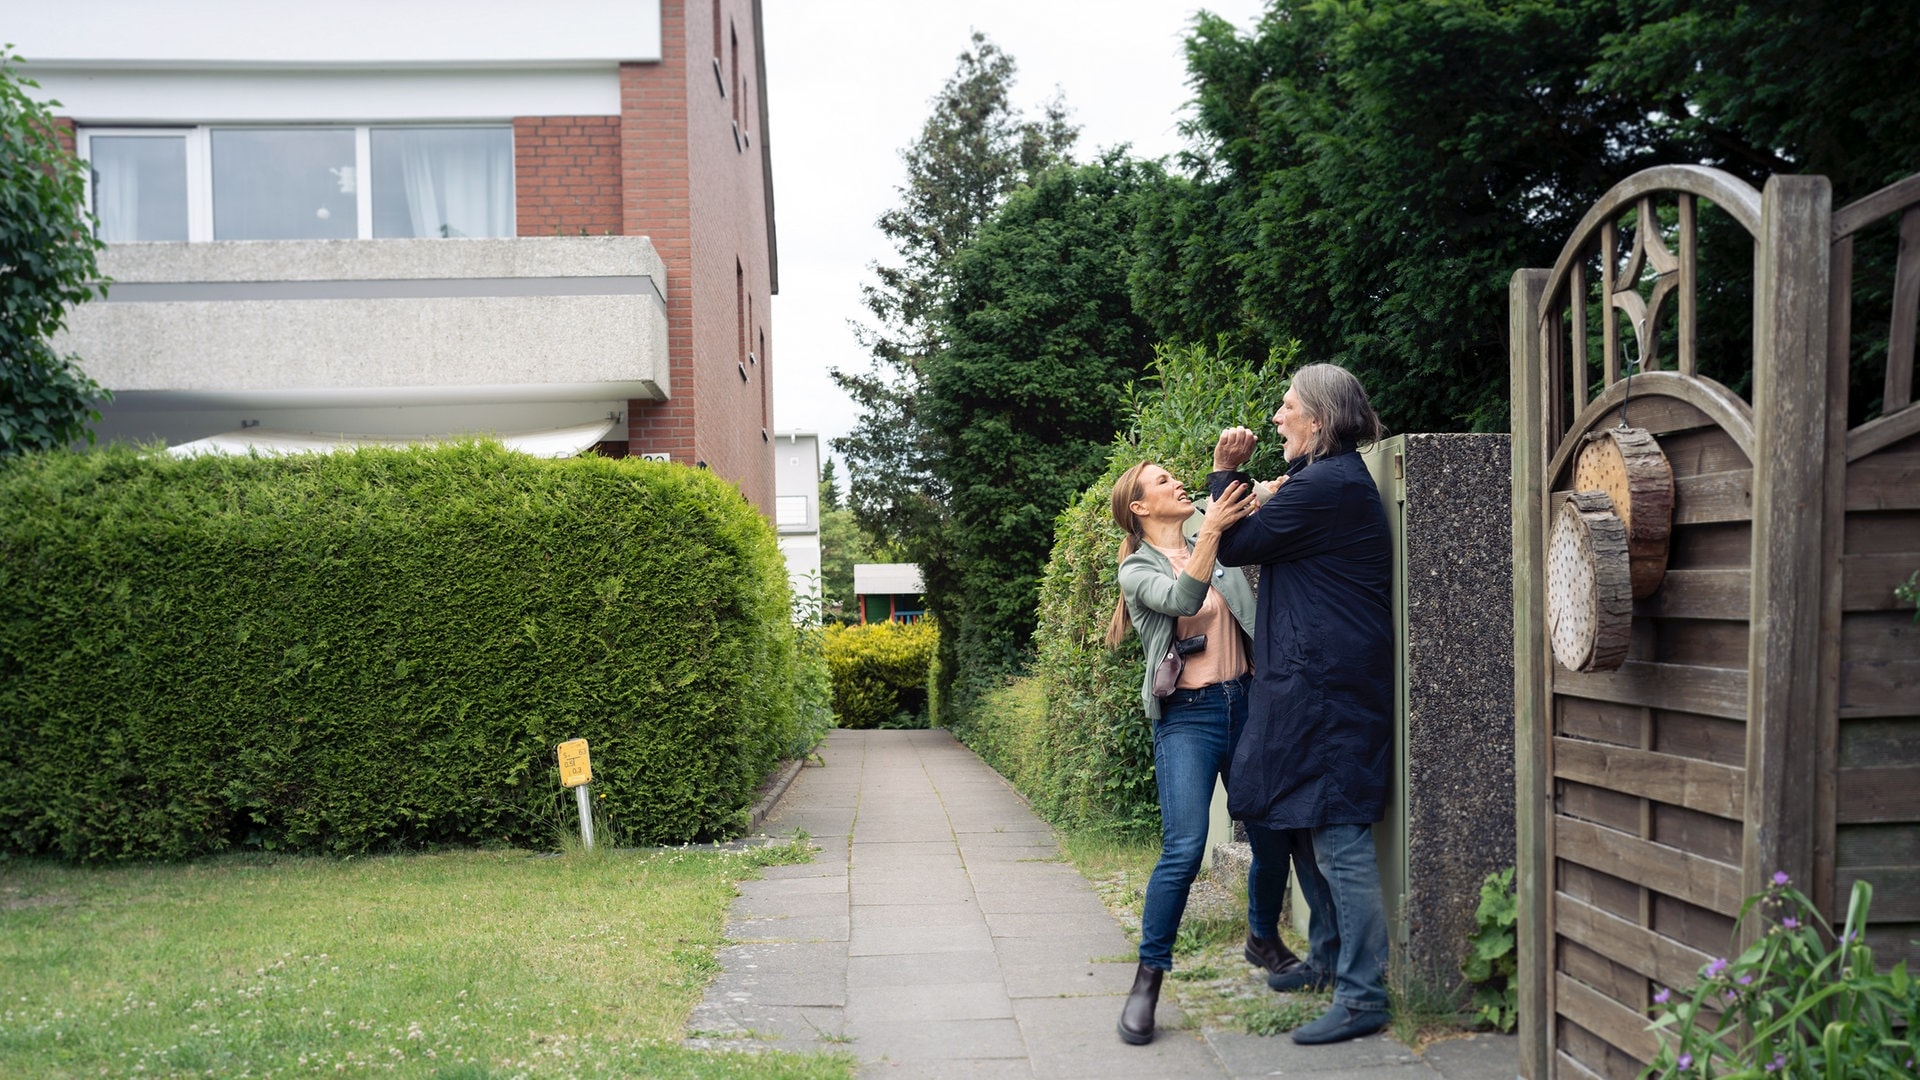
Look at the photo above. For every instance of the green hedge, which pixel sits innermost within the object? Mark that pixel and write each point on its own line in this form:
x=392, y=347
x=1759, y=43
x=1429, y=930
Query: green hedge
x=359, y=650
x=880, y=672
x=1073, y=738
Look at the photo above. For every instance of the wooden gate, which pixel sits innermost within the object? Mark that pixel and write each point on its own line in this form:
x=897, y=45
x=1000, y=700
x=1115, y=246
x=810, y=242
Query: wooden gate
x=1767, y=716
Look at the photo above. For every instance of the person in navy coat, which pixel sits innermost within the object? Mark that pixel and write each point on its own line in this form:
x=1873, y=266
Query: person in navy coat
x=1318, y=743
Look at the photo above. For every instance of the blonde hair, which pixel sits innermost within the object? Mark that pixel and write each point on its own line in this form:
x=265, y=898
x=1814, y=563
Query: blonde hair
x=1334, y=397
x=1126, y=491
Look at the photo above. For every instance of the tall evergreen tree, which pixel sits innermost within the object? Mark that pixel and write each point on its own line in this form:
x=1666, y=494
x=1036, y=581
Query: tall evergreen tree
x=974, y=149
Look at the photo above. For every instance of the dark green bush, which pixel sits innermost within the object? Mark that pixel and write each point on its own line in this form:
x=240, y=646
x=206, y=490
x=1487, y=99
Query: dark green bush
x=880, y=672
x=1085, y=759
x=341, y=652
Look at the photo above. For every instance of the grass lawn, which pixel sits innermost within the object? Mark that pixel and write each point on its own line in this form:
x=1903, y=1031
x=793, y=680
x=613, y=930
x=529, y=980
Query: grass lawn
x=464, y=964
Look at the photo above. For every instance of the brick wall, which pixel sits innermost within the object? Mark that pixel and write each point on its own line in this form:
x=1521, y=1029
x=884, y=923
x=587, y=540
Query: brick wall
x=63, y=130
x=566, y=175
x=696, y=188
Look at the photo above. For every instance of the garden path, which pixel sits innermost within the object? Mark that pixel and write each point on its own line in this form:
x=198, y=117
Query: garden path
x=938, y=934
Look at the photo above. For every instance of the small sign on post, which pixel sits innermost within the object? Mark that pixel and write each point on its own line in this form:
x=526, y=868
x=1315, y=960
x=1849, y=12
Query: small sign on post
x=576, y=772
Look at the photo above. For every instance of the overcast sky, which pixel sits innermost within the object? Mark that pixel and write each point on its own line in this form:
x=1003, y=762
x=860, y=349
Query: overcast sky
x=849, y=85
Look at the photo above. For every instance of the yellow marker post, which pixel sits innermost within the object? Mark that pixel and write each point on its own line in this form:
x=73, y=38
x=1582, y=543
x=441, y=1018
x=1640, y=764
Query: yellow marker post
x=576, y=772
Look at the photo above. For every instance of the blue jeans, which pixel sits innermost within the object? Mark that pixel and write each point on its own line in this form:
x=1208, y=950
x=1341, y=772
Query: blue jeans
x=1192, y=745
x=1346, y=859
x=1273, y=849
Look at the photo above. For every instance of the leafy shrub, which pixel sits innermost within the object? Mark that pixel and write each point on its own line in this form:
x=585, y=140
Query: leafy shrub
x=1493, y=956
x=337, y=652
x=880, y=672
x=1086, y=759
x=1790, y=1005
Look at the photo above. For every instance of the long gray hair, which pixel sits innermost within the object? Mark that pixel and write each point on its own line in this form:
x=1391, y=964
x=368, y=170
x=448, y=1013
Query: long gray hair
x=1333, y=396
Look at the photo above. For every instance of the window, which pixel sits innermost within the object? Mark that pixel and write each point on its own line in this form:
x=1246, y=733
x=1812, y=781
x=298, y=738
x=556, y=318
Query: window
x=293, y=184
x=442, y=181
x=300, y=183
x=140, y=187
x=789, y=510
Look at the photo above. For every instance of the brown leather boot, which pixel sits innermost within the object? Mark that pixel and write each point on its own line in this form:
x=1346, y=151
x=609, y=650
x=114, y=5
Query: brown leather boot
x=1136, y=1016
x=1270, y=953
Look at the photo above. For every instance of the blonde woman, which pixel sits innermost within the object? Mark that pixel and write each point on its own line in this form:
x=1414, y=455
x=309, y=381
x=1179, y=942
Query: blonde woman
x=1172, y=592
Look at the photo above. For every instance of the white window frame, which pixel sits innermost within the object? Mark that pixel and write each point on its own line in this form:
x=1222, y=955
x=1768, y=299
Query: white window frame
x=200, y=164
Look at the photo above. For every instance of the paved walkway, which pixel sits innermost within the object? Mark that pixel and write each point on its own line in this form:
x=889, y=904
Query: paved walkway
x=933, y=937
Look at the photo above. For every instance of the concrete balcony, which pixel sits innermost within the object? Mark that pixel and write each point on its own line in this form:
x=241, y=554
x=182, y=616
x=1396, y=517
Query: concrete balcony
x=413, y=337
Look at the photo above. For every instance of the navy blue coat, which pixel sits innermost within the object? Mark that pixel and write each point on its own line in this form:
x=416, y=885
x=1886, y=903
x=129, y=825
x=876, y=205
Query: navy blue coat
x=1318, y=744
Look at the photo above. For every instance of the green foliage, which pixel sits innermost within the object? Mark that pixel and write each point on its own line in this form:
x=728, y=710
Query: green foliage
x=1790, y=1004
x=1908, y=592
x=47, y=266
x=1025, y=398
x=1493, y=954
x=879, y=672
x=355, y=651
x=1073, y=739
x=1367, y=176
x=973, y=151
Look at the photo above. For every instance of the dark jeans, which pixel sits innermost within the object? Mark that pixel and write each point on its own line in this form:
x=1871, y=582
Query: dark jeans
x=1192, y=745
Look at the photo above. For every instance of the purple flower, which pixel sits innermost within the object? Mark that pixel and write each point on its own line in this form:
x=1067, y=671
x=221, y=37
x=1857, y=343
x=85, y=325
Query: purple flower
x=1731, y=995
x=1662, y=996
x=1685, y=1062
x=1779, y=1062
x=1780, y=877
x=1719, y=965
x=1745, y=980
x=1790, y=923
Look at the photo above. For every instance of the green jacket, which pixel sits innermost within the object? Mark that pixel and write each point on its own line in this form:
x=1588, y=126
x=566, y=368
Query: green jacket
x=1156, y=596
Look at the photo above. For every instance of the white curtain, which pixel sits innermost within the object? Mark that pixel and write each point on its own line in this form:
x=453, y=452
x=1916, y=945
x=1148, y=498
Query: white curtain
x=458, y=182
x=116, y=197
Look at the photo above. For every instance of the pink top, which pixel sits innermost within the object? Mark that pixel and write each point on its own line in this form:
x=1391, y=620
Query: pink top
x=1225, y=656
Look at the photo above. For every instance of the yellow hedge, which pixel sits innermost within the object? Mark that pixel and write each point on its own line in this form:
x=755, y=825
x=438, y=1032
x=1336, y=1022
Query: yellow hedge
x=880, y=672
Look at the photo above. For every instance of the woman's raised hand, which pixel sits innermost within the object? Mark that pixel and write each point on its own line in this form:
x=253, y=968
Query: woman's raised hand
x=1233, y=504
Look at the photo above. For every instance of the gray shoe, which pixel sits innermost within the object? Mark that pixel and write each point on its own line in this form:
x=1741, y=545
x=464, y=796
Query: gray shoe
x=1339, y=1023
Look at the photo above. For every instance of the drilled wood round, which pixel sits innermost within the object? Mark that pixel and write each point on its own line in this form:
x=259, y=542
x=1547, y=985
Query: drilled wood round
x=1589, y=597
x=1628, y=466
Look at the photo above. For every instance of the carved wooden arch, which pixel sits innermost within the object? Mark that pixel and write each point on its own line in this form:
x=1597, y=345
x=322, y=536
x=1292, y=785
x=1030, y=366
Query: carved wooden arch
x=1565, y=347
x=1721, y=405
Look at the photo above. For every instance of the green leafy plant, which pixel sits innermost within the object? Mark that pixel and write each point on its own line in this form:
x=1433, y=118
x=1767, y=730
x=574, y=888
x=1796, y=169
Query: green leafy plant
x=47, y=265
x=1909, y=592
x=1492, y=954
x=1801, y=1001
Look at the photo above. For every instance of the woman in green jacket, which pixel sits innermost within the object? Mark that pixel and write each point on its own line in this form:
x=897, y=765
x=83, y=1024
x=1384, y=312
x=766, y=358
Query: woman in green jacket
x=1173, y=593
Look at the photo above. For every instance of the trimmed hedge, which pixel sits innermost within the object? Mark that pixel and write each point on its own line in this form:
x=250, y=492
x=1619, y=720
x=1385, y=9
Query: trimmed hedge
x=880, y=672
x=379, y=648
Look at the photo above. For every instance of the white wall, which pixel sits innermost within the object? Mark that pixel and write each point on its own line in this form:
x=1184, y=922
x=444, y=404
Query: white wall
x=353, y=33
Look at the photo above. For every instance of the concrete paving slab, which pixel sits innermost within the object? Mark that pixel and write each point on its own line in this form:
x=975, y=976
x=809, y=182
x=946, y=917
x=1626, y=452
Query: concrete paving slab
x=800, y=1028
x=949, y=881
x=1046, y=899
x=904, y=891
x=1277, y=1055
x=1068, y=980
x=815, y=869
x=1082, y=948
x=1005, y=924
x=912, y=1042
x=983, y=855
x=921, y=969
x=894, y=915
x=864, y=848
x=825, y=988
x=883, y=940
x=962, y=1069
x=940, y=1001
x=1076, y=1037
